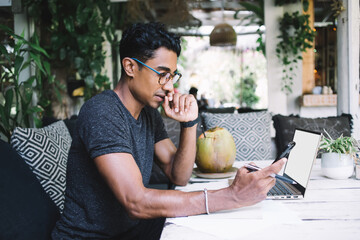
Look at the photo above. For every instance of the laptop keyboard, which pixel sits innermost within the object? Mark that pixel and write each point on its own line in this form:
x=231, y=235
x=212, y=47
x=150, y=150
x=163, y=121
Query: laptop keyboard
x=279, y=189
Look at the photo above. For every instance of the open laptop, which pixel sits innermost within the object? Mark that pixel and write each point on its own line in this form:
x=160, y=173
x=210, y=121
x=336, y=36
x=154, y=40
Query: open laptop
x=298, y=166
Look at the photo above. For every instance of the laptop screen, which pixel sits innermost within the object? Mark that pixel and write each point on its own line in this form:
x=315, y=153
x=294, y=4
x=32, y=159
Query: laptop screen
x=302, y=156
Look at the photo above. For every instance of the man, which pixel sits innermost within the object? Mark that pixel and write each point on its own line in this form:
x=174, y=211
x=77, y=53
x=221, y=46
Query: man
x=118, y=134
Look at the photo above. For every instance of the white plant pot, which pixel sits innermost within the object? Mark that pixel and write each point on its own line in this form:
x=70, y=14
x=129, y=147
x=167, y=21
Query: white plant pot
x=337, y=166
x=357, y=172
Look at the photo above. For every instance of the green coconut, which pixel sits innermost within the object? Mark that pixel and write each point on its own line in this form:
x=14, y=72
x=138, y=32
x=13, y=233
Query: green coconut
x=215, y=151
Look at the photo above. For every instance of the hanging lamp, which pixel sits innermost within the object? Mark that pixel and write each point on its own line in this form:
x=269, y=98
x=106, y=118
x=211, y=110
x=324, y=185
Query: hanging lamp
x=223, y=34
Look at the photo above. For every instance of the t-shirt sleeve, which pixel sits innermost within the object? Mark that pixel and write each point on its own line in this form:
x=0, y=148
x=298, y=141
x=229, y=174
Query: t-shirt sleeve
x=103, y=133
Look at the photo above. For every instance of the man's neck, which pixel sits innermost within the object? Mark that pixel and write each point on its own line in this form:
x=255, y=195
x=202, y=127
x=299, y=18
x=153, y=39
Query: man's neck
x=131, y=104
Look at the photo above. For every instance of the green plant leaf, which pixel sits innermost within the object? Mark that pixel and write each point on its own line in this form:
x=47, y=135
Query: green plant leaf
x=5, y=111
x=38, y=48
x=17, y=64
x=36, y=59
x=25, y=65
x=6, y=29
x=9, y=96
x=47, y=67
x=305, y=4
x=4, y=52
x=38, y=122
x=35, y=109
x=69, y=24
x=5, y=132
x=255, y=8
x=62, y=54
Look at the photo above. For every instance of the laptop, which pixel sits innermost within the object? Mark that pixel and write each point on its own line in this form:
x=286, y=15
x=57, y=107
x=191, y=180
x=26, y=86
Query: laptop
x=298, y=167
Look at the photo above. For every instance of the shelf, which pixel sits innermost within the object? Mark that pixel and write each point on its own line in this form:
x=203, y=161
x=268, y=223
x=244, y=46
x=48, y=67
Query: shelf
x=319, y=100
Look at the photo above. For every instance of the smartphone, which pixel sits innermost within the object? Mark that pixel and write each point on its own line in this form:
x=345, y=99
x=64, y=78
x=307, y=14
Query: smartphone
x=286, y=152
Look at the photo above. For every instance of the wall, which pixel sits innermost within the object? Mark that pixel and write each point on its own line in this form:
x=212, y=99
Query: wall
x=279, y=102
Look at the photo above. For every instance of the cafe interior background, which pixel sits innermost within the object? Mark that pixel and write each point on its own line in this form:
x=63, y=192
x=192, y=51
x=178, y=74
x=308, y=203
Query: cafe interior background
x=237, y=53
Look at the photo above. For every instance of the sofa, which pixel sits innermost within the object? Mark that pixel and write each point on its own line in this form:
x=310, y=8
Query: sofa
x=33, y=166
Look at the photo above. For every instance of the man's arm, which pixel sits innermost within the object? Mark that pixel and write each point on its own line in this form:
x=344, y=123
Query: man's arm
x=178, y=164
x=124, y=178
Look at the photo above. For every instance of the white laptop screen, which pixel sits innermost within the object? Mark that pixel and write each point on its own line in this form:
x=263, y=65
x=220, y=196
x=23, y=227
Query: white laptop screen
x=302, y=156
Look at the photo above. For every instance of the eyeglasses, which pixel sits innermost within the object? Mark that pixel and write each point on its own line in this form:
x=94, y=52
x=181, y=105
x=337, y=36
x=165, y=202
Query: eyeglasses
x=163, y=77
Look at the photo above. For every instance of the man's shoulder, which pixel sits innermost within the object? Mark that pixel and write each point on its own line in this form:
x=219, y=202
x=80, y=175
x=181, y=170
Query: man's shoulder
x=101, y=102
x=107, y=95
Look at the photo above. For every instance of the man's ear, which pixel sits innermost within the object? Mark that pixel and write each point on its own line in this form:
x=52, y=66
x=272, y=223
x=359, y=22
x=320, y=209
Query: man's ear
x=129, y=66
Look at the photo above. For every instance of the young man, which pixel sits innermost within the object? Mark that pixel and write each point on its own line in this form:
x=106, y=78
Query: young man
x=118, y=134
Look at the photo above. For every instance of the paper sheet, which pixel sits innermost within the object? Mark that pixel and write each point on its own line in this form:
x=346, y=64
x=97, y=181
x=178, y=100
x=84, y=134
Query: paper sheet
x=239, y=223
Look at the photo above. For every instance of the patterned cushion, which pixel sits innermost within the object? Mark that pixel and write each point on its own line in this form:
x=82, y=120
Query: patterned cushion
x=285, y=127
x=251, y=132
x=173, y=129
x=46, y=150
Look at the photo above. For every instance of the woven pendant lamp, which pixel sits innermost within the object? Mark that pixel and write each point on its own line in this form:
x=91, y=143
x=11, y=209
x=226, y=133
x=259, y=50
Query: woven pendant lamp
x=223, y=34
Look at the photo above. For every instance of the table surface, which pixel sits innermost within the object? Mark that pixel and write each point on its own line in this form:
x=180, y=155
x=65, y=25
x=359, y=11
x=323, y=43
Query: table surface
x=330, y=210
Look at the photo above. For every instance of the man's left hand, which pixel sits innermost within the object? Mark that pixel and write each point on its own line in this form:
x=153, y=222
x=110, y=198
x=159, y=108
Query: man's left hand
x=180, y=107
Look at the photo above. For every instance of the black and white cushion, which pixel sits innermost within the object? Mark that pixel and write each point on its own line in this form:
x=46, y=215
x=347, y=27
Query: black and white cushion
x=285, y=127
x=45, y=150
x=251, y=132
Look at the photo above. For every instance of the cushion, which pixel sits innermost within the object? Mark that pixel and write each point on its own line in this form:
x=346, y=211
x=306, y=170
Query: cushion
x=173, y=129
x=26, y=211
x=285, y=127
x=46, y=150
x=251, y=132
x=247, y=109
x=69, y=122
x=220, y=110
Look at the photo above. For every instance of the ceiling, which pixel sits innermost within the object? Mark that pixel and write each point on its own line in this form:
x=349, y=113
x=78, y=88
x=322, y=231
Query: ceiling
x=203, y=12
x=189, y=15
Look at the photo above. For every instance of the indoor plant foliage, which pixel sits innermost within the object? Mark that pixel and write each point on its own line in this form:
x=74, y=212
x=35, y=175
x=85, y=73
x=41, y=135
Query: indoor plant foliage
x=337, y=161
x=17, y=105
x=258, y=17
x=341, y=145
x=296, y=36
x=73, y=33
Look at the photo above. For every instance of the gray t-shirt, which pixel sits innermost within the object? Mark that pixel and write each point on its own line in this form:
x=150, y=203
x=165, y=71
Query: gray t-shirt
x=104, y=126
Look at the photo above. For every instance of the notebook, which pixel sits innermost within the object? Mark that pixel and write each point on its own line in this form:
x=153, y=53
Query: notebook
x=298, y=167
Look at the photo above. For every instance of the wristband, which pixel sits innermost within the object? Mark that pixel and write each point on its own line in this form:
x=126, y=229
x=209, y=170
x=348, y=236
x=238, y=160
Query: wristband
x=190, y=124
x=206, y=201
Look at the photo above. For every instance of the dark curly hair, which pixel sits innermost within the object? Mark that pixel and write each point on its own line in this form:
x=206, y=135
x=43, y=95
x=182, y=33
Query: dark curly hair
x=141, y=40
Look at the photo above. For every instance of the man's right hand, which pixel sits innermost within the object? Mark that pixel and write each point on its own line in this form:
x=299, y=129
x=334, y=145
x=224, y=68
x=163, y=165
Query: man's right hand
x=249, y=188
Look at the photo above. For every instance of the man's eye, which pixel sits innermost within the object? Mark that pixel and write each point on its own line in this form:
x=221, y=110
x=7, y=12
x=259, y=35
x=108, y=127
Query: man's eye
x=163, y=74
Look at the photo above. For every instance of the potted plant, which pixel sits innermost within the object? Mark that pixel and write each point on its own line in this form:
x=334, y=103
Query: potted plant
x=337, y=160
x=18, y=105
x=357, y=166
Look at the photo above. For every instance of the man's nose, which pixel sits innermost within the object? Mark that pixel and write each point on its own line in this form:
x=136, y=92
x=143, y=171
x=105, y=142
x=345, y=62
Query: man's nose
x=168, y=86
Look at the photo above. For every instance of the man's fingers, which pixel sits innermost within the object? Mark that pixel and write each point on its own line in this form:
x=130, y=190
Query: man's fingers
x=176, y=102
x=182, y=104
x=188, y=101
x=167, y=107
x=270, y=182
x=273, y=168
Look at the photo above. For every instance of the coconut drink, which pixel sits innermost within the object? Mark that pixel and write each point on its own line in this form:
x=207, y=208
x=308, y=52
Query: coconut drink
x=215, y=151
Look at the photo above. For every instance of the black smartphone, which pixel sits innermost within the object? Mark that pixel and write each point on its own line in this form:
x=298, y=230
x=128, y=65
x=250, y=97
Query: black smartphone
x=286, y=152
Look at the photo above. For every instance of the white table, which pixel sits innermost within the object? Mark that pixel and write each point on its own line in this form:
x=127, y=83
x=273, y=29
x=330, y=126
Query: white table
x=330, y=210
